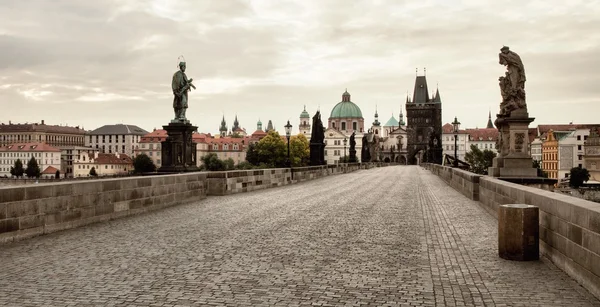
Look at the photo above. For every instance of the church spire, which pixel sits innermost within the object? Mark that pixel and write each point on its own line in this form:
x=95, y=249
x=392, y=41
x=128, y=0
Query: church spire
x=223, y=128
x=490, y=124
x=401, y=119
x=437, y=97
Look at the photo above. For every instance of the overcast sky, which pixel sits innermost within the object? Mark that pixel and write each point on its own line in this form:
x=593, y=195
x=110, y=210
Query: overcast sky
x=91, y=63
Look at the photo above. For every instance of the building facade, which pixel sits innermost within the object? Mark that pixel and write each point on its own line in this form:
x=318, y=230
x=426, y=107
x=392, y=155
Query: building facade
x=304, y=124
x=592, y=154
x=424, y=124
x=46, y=156
x=118, y=138
x=550, y=155
x=104, y=164
x=346, y=116
x=70, y=140
x=448, y=142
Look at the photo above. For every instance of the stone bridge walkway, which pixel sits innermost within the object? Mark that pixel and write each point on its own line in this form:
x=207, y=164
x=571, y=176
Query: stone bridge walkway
x=393, y=236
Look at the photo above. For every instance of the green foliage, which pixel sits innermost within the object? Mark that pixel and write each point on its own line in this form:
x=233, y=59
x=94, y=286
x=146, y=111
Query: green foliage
x=299, y=150
x=33, y=169
x=245, y=165
x=479, y=160
x=270, y=151
x=236, y=135
x=17, y=170
x=212, y=162
x=93, y=172
x=143, y=164
x=252, y=155
x=538, y=166
x=578, y=176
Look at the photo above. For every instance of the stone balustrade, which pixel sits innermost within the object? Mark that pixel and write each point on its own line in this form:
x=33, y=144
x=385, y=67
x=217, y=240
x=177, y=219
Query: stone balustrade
x=569, y=227
x=35, y=209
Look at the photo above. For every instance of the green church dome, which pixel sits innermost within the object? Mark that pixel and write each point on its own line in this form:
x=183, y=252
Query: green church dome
x=346, y=108
x=304, y=114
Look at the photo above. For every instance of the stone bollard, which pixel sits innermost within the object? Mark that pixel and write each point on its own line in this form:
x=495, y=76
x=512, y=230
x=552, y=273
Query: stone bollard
x=518, y=232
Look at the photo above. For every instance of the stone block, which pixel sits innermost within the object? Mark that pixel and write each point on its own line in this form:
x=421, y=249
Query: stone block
x=110, y=185
x=518, y=232
x=594, y=220
x=39, y=191
x=579, y=215
x=22, y=208
x=103, y=209
x=31, y=221
x=9, y=225
x=574, y=234
x=29, y=233
x=71, y=215
x=11, y=194
x=144, y=182
x=53, y=218
x=591, y=241
x=86, y=188
x=63, y=189
x=121, y=206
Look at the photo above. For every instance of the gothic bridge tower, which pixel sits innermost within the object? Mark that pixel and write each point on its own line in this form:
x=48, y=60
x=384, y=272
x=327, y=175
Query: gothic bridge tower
x=424, y=127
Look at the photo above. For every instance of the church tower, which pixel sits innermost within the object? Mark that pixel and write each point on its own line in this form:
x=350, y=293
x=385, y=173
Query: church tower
x=424, y=130
x=223, y=128
x=490, y=124
x=304, y=122
x=376, y=127
x=259, y=125
x=401, y=117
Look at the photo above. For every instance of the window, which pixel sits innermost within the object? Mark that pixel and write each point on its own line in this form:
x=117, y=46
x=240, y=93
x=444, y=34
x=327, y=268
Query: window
x=585, y=137
x=157, y=161
x=578, y=147
x=354, y=126
x=332, y=124
x=579, y=137
x=579, y=157
x=343, y=125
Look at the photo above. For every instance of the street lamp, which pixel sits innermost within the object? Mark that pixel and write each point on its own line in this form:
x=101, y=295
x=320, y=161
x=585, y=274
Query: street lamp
x=345, y=142
x=455, y=126
x=288, y=133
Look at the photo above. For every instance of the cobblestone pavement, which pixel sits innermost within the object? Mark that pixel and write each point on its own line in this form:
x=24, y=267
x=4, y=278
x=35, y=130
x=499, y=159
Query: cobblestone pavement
x=393, y=236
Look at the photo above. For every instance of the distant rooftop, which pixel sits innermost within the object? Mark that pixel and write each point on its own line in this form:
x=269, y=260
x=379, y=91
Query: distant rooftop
x=119, y=129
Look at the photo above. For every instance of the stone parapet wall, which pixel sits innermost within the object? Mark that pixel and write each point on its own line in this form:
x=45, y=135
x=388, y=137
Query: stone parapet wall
x=31, y=210
x=233, y=182
x=465, y=182
x=35, y=209
x=569, y=226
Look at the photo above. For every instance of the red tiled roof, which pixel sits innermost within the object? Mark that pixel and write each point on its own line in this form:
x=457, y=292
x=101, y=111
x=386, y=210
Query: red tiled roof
x=104, y=158
x=448, y=128
x=40, y=128
x=258, y=133
x=50, y=170
x=157, y=135
x=486, y=134
x=29, y=147
x=532, y=134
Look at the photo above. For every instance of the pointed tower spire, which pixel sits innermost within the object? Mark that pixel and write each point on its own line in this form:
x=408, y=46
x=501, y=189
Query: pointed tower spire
x=376, y=121
x=437, y=97
x=223, y=128
x=401, y=117
x=490, y=124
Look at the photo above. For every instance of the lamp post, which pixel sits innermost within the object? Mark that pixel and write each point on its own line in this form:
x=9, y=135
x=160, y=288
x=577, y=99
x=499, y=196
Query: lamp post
x=345, y=142
x=455, y=127
x=288, y=133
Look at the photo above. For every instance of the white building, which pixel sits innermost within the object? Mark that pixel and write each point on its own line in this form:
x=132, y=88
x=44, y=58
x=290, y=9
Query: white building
x=46, y=156
x=104, y=164
x=462, y=142
x=115, y=138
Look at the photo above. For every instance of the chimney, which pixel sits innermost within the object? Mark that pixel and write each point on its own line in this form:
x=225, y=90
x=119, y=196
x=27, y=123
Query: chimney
x=95, y=155
x=117, y=155
x=43, y=122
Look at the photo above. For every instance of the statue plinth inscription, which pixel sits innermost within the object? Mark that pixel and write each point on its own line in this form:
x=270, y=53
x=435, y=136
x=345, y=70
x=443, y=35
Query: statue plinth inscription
x=179, y=150
x=513, y=121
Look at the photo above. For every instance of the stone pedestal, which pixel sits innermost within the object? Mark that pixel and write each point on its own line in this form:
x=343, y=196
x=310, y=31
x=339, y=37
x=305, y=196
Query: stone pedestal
x=518, y=232
x=513, y=158
x=352, y=156
x=317, y=154
x=178, y=152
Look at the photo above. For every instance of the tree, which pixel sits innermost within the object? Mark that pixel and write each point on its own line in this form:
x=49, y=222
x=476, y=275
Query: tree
x=299, y=150
x=272, y=150
x=245, y=165
x=212, y=162
x=33, y=169
x=17, y=170
x=93, y=172
x=143, y=164
x=538, y=166
x=479, y=160
x=578, y=176
x=252, y=154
